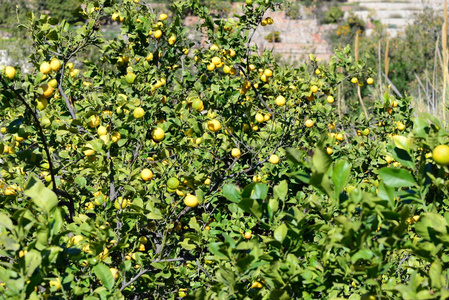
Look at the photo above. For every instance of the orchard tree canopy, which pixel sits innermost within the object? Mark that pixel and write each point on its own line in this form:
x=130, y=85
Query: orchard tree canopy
x=166, y=170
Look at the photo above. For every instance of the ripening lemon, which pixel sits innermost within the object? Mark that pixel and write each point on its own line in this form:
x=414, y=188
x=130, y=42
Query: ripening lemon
x=330, y=99
x=252, y=67
x=10, y=72
x=226, y=69
x=314, y=89
x=158, y=134
x=114, y=272
x=370, y=80
x=53, y=83
x=94, y=121
x=70, y=65
x=235, y=152
x=157, y=34
x=263, y=22
x=121, y=203
x=139, y=112
x=329, y=150
x=172, y=39
x=214, y=47
x=339, y=136
x=270, y=21
x=216, y=60
x=47, y=90
x=146, y=174
x=441, y=155
x=247, y=235
x=268, y=72
x=102, y=130
x=115, y=136
x=259, y=118
x=198, y=105
x=163, y=17
x=207, y=181
x=89, y=152
x=41, y=103
x=309, y=123
x=213, y=125
x=45, y=67
x=173, y=183
x=191, y=200
x=274, y=159
x=400, y=125
x=280, y=100
x=56, y=283
x=55, y=64
x=211, y=66
x=354, y=80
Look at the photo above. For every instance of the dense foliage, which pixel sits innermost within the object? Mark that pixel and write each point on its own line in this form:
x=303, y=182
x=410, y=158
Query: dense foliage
x=162, y=170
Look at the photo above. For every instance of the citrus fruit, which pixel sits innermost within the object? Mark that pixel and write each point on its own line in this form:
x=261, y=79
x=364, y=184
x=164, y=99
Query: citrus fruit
x=102, y=130
x=280, y=101
x=330, y=99
x=354, y=80
x=157, y=34
x=247, y=235
x=10, y=72
x=139, y=112
x=191, y=200
x=55, y=64
x=115, y=136
x=259, y=118
x=173, y=183
x=41, y=103
x=370, y=80
x=309, y=123
x=47, y=90
x=274, y=159
x=314, y=89
x=146, y=174
x=441, y=155
x=163, y=17
x=158, y=134
x=94, y=121
x=213, y=125
x=45, y=67
x=235, y=152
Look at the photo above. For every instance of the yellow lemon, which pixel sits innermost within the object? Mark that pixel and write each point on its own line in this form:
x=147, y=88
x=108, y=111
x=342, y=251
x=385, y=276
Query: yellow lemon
x=146, y=174
x=158, y=134
x=274, y=159
x=191, y=200
x=235, y=152
x=45, y=67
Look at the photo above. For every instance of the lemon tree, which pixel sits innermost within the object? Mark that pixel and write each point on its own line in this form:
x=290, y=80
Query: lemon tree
x=207, y=170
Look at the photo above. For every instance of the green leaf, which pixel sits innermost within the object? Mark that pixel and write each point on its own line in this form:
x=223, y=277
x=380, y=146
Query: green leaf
x=363, y=254
x=185, y=244
x=340, y=176
x=6, y=222
x=259, y=191
x=251, y=206
x=232, y=193
x=321, y=160
x=104, y=274
x=402, y=142
x=280, y=191
x=396, y=177
x=280, y=233
x=33, y=260
x=294, y=155
x=435, y=274
x=429, y=224
x=43, y=197
x=420, y=127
